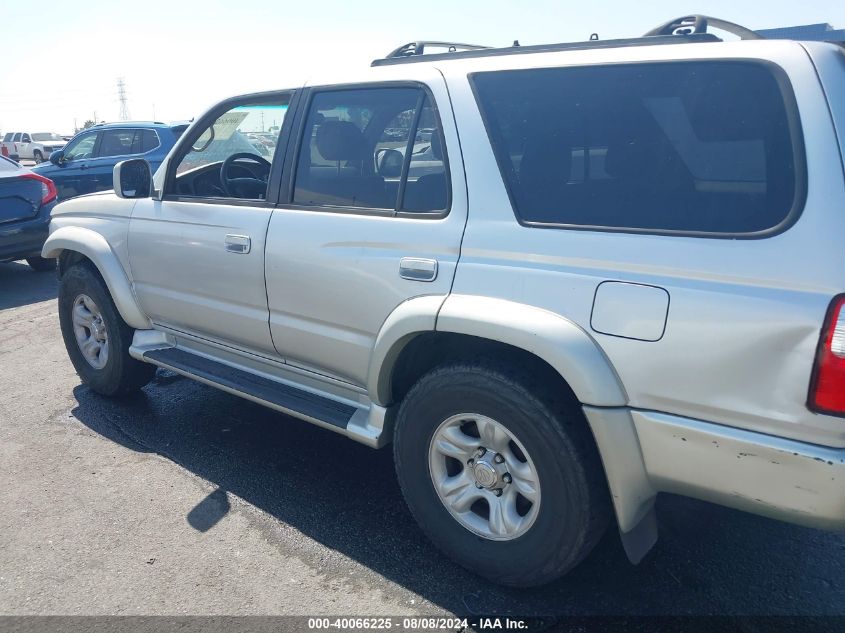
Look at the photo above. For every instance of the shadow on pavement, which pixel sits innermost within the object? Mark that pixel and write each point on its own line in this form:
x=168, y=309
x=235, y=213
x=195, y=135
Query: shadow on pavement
x=709, y=560
x=20, y=285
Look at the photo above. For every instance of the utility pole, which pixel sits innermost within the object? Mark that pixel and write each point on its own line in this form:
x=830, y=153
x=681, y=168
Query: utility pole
x=121, y=96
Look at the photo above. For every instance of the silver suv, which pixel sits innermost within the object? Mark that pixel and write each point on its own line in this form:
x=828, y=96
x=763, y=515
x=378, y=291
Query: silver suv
x=559, y=279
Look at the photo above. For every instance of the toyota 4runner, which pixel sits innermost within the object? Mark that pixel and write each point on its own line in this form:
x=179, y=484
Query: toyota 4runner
x=559, y=279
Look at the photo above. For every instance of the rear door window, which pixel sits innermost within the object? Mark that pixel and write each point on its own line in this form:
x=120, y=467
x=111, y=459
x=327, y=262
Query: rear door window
x=116, y=143
x=372, y=148
x=690, y=147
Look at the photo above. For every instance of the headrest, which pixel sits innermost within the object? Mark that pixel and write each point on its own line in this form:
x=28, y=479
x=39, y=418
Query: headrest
x=436, y=145
x=341, y=140
x=546, y=160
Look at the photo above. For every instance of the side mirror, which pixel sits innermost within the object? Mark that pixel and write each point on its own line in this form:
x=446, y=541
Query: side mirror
x=132, y=178
x=58, y=157
x=389, y=163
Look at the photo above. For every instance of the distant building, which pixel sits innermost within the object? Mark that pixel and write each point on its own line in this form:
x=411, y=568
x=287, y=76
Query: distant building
x=819, y=32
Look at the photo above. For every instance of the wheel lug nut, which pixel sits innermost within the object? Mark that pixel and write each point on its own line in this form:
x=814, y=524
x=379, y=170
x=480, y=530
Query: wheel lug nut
x=498, y=459
x=507, y=478
x=498, y=492
x=480, y=452
x=470, y=463
x=478, y=485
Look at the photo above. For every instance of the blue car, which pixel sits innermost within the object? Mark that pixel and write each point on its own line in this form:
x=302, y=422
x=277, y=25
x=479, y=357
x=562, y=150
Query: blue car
x=26, y=200
x=85, y=164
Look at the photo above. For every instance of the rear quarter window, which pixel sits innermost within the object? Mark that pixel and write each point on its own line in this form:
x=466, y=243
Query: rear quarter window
x=709, y=148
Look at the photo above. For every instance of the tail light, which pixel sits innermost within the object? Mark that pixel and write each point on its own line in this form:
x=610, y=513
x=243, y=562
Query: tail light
x=827, y=389
x=48, y=189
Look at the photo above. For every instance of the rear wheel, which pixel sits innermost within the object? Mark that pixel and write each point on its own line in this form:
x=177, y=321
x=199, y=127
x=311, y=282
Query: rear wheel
x=41, y=264
x=96, y=337
x=38, y=157
x=499, y=473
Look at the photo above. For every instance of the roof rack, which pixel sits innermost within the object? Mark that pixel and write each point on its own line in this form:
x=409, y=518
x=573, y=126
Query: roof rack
x=687, y=29
x=418, y=48
x=692, y=24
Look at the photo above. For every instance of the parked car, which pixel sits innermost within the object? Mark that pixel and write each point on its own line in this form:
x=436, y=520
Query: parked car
x=26, y=200
x=86, y=163
x=621, y=273
x=26, y=146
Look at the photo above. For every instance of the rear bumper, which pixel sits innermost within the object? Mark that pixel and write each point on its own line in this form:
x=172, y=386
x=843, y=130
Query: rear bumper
x=783, y=479
x=19, y=240
x=645, y=452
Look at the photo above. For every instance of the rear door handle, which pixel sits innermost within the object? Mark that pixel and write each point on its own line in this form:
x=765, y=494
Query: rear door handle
x=240, y=244
x=418, y=269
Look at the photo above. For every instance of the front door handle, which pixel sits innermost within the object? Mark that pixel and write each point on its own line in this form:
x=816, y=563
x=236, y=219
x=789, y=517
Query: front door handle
x=240, y=244
x=418, y=269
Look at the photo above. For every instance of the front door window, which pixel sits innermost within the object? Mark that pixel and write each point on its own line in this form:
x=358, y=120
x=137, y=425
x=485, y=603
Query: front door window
x=231, y=157
x=81, y=147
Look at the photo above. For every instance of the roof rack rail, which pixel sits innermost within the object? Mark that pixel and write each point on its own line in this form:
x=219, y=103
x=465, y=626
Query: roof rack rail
x=687, y=29
x=546, y=48
x=697, y=24
x=418, y=48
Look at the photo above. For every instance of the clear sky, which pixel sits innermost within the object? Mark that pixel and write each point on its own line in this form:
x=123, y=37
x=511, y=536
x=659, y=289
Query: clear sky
x=60, y=60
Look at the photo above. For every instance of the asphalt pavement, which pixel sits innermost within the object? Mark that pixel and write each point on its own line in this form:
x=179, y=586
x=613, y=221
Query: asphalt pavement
x=186, y=500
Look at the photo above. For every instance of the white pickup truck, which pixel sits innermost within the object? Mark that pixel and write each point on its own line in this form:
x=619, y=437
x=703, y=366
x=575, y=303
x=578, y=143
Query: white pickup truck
x=26, y=146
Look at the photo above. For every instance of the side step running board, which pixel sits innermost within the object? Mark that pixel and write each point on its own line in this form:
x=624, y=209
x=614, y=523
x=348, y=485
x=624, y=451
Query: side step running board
x=297, y=402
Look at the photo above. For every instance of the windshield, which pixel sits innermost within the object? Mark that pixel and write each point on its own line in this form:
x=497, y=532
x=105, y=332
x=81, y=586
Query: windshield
x=46, y=136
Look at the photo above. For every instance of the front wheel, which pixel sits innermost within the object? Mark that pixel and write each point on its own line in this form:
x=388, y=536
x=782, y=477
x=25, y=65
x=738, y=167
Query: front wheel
x=500, y=474
x=38, y=157
x=96, y=336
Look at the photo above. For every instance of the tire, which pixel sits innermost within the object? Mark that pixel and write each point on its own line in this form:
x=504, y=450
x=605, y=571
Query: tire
x=572, y=503
x=115, y=372
x=41, y=264
x=38, y=157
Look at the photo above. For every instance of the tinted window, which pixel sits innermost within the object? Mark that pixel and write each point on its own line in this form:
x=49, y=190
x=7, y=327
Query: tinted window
x=680, y=147
x=26, y=139
x=143, y=141
x=147, y=139
x=116, y=143
x=372, y=148
x=8, y=137
x=18, y=137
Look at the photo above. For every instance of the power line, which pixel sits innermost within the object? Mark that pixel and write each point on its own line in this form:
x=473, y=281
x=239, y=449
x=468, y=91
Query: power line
x=121, y=96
